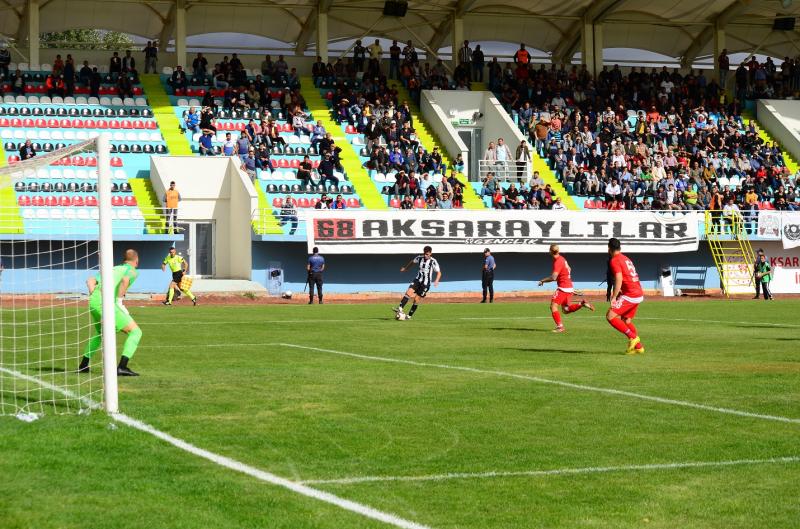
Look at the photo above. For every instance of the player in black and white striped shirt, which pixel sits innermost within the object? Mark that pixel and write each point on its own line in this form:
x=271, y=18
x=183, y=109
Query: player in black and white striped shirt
x=428, y=267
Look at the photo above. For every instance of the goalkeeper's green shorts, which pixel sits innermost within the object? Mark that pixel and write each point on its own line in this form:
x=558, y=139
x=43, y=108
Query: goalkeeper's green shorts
x=121, y=320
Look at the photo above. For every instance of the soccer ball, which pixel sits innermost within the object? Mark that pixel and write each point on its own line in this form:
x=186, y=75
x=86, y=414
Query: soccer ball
x=287, y=295
x=401, y=316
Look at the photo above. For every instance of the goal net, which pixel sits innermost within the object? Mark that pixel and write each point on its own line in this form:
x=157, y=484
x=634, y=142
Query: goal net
x=48, y=250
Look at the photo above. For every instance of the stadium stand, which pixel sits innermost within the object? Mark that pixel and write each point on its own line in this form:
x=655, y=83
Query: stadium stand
x=656, y=140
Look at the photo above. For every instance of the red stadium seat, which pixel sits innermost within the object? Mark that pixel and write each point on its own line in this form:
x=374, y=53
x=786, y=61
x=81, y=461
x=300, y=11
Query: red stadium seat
x=65, y=124
x=51, y=201
x=29, y=123
x=116, y=162
x=138, y=124
x=90, y=124
x=277, y=202
x=4, y=122
x=329, y=95
x=37, y=201
x=24, y=200
x=53, y=123
x=64, y=201
x=588, y=204
x=91, y=201
x=16, y=122
x=283, y=163
x=91, y=161
x=394, y=203
x=240, y=125
x=130, y=200
x=78, y=201
x=78, y=123
x=418, y=203
x=137, y=91
x=151, y=124
x=350, y=129
x=101, y=124
x=313, y=202
x=294, y=163
x=315, y=163
x=356, y=203
x=116, y=200
x=78, y=161
x=126, y=124
x=303, y=203
x=113, y=124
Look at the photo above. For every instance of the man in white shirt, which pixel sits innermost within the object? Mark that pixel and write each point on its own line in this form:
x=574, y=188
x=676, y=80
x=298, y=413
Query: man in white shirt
x=558, y=205
x=730, y=215
x=613, y=190
x=503, y=154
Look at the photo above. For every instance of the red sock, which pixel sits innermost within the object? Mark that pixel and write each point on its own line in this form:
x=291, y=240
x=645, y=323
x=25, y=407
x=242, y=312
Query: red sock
x=573, y=307
x=633, y=329
x=620, y=325
x=557, y=318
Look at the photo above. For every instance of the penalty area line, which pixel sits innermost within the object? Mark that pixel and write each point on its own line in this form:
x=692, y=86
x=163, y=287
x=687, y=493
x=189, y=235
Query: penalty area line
x=552, y=382
x=232, y=464
x=554, y=472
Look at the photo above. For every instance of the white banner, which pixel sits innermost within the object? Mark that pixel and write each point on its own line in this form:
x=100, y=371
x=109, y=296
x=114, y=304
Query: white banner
x=790, y=231
x=785, y=267
x=468, y=231
x=769, y=224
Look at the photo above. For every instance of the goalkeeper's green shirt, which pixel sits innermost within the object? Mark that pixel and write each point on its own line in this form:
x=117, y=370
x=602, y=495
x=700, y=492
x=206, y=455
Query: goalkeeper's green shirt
x=119, y=272
x=175, y=263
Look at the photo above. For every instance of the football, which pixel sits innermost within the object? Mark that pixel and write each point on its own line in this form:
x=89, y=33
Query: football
x=287, y=295
x=400, y=316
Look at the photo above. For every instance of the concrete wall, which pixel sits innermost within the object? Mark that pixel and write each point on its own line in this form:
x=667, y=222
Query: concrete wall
x=782, y=120
x=441, y=108
x=213, y=188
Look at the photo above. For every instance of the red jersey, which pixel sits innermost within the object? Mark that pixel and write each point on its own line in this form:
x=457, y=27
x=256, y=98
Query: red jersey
x=631, y=288
x=564, y=280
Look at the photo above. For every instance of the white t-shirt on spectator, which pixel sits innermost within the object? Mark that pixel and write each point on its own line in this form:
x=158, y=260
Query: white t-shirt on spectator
x=667, y=86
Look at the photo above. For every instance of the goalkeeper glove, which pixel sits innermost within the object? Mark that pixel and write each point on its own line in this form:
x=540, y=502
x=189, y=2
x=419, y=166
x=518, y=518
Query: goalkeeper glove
x=121, y=307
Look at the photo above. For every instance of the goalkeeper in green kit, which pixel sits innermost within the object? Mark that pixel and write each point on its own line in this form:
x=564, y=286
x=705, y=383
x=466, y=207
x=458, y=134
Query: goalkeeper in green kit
x=124, y=276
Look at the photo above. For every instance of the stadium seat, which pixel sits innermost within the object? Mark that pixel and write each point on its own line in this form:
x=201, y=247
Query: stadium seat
x=394, y=203
x=277, y=202
x=356, y=203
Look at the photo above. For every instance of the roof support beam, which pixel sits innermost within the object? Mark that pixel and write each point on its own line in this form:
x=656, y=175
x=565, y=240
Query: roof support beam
x=595, y=13
x=167, y=28
x=734, y=9
x=446, y=26
x=310, y=25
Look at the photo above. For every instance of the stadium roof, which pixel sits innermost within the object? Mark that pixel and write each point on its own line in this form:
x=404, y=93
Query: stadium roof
x=676, y=28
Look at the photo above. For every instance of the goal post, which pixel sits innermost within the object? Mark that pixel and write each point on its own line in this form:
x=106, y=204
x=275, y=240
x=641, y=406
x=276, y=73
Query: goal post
x=55, y=233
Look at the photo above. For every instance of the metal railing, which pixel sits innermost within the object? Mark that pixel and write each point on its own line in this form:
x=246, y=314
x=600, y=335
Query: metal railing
x=508, y=171
x=82, y=220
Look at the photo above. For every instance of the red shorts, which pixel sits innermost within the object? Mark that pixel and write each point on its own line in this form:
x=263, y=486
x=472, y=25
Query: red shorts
x=561, y=298
x=624, y=308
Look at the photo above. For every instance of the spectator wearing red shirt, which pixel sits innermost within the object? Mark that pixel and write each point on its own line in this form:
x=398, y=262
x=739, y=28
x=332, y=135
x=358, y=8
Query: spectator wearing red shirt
x=562, y=275
x=626, y=296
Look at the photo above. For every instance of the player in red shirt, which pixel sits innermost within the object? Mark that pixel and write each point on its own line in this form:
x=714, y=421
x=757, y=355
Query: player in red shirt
x=564, y=289
x=625, y=296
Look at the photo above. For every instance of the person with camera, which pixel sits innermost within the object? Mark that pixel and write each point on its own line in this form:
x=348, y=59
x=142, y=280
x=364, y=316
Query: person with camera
x=315, y=267
x=487, y=275
x=763, y=276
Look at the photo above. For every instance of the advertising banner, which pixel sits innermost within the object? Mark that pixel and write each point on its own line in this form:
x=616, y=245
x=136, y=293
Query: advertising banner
x=466, y=231
x=769, y=224
x=790, y=231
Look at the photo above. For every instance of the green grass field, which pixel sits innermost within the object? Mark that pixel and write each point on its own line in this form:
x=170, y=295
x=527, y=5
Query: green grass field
x=475, y=391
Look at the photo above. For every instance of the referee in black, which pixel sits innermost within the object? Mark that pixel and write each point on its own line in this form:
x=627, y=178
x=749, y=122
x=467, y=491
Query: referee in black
x=487, y=275
x=315, y=267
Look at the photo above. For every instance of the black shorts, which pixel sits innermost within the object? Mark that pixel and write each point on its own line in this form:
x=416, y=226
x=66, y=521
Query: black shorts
x=177, y=276
x=419, y=289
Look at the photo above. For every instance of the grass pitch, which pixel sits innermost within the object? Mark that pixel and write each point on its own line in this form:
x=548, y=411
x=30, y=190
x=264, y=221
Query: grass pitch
x=426, y=435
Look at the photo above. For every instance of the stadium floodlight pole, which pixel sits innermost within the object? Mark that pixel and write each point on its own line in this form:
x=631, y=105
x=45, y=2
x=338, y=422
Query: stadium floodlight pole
x=109, y=330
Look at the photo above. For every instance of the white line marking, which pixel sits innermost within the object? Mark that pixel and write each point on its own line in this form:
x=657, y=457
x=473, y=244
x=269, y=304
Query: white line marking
x=232, y=464
x=540, y=380
x=268, y=477
x=555, y=472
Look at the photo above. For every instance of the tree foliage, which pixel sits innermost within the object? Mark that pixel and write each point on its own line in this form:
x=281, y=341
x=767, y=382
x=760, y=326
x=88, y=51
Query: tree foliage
x=86, y=39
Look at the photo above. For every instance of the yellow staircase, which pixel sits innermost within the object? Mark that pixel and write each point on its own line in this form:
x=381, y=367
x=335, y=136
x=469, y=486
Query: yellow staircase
x=149, y=205
x=164, y=113
x=10, y=218
x=549, y=177
x=356, y=173
x=791, y=164
x=732, y=252
x=428, y=140
x=266, y=223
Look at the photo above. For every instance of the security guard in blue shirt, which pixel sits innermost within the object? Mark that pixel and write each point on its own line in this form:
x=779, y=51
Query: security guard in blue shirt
x=487, y=275
x=315, y=267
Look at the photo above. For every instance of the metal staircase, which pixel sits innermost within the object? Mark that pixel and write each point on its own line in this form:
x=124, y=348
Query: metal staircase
x=732, y=252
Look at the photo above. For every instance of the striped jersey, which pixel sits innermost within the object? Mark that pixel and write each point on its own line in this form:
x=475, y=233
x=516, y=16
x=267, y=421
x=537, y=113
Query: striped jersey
x=427, y=267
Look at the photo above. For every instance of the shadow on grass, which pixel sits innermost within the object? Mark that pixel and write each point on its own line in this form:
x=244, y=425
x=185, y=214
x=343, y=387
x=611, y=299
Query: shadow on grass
x=52, y=369
x=551, y=350
x=517, y=329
